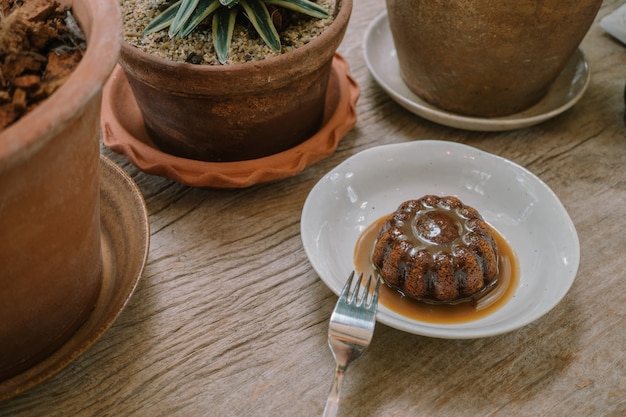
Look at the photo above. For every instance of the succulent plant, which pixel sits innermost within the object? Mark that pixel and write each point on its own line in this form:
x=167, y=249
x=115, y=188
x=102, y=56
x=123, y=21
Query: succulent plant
x=184, y=16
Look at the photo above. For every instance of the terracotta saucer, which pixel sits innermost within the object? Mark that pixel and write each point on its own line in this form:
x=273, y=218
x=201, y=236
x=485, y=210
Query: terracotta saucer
x=125, y=243
x=124, y=132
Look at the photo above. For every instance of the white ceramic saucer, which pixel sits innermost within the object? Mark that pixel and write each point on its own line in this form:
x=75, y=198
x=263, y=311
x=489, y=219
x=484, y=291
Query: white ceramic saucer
x=614, y=23
x=381, y=59
x=125, y=243
x=518, y=204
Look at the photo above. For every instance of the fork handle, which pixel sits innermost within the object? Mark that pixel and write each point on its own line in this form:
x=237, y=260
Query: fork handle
x=332, y=403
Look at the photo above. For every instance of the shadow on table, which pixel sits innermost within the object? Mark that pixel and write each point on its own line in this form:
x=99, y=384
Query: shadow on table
x=414, y=375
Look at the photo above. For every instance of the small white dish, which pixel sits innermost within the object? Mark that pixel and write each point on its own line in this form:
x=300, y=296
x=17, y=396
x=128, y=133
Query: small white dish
x=382, y=61
x=518, y=204
x=615, y=24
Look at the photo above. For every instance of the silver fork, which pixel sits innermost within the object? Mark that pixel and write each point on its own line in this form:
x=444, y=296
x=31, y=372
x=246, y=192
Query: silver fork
x=350, y=331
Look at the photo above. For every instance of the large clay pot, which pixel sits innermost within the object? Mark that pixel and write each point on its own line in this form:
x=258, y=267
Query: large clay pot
x=50, y=251
x=486, y=57
x=235, y=112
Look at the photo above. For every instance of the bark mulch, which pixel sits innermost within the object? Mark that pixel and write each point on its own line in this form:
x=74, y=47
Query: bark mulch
x=40, y=45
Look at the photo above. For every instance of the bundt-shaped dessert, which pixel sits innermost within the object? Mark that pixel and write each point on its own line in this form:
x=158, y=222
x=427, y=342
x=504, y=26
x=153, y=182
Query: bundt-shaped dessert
x=437, y=250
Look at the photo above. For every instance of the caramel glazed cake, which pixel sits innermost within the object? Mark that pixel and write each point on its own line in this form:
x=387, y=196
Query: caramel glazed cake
x=437, y=250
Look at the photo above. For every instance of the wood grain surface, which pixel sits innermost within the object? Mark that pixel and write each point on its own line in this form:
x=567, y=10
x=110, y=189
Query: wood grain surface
x=230, y=319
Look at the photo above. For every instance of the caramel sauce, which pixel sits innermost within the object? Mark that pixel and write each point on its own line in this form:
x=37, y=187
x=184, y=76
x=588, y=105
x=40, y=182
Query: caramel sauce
x=503, y=291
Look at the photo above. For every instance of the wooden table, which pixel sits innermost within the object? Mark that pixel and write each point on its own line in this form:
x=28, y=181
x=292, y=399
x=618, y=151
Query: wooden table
x=230, y=319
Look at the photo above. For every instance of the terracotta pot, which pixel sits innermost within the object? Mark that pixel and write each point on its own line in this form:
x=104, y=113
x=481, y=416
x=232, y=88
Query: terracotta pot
x=235, y=112
x=50, y=251
x=486, y=57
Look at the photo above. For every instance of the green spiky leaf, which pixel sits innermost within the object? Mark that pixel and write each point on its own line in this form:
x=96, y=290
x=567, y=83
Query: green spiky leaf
x=185, y=15
x=182, y=15
x=301, y=6
x=202, y=11
x=262, y=21
x=223, y=27
x=163, y=20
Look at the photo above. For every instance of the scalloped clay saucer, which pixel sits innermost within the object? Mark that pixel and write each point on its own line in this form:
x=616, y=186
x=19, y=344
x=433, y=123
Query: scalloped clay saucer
x=125, y=242
x=124, y=132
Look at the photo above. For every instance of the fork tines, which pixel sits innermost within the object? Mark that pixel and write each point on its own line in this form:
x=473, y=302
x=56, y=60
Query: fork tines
x=367, y=297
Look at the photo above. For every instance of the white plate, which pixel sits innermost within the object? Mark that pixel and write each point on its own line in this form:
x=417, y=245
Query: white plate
x=382, y=61
x=518, y=204
x=615, y=24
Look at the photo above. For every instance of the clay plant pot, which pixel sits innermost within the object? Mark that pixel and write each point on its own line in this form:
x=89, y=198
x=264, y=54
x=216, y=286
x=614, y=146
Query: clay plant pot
x=50, y=250
x=486, y=57
x=235, y=112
